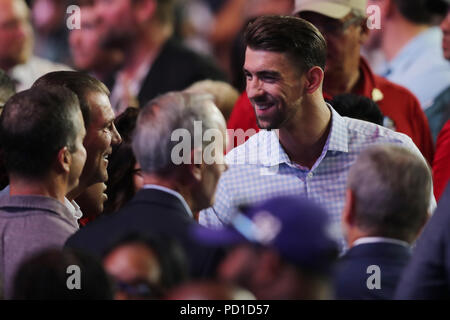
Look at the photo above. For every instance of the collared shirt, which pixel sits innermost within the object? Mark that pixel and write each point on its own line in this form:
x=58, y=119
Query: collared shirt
x=366, y=240
x=172, y=192
x=421, y=67
x=74, y=208
x=260, y=169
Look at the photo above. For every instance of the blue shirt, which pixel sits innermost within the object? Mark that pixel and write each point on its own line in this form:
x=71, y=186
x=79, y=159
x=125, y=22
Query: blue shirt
x=260, y=169
x=421, y=67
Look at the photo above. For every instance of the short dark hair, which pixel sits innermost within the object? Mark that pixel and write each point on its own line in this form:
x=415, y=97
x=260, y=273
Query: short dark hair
x=80, y=83
x=7, y=87
x=357, y=107
x=34, y=126
x=298, y=38
x=422, y=11
x=44, y=277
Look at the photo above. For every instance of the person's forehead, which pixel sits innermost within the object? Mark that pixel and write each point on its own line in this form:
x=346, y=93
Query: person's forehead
x=259, y=60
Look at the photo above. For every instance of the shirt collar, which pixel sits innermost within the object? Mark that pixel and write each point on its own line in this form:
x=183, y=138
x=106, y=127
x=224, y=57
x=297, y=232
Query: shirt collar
x=172, y=192
x=74, y=208
x=366, y=240
x=274, y=153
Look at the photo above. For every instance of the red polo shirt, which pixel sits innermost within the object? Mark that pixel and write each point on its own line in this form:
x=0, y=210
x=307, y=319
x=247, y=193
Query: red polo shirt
x=395, y=102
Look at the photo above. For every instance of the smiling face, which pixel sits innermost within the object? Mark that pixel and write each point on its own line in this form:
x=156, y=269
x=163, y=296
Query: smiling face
x=101, y=136
x=274, y=86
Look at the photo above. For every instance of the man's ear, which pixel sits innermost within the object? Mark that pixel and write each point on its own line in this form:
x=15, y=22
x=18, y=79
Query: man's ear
x=64, y=159
x=145, y=10
x=196, y=165
x=348, y=215
x=314, y=78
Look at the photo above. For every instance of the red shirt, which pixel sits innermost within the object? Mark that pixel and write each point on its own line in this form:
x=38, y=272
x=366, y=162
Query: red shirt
x=441, y=164
x=395, y=102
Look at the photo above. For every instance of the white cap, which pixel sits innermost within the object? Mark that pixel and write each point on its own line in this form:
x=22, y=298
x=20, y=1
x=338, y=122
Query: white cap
x=336, y=9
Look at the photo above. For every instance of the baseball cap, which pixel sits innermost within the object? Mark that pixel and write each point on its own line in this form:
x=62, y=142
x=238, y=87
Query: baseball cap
x=295, y=227
x=335, y=9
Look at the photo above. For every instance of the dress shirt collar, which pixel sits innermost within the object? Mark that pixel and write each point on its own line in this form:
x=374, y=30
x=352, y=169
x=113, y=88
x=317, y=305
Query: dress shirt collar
x=366, y=240
x=172, y=192
x=74, y=208
x=337, y=140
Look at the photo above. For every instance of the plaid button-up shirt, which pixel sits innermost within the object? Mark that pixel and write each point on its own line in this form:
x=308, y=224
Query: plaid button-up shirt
x=260, y=169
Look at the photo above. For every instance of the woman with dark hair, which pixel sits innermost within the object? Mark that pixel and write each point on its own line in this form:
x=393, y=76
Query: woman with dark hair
x=124, y=177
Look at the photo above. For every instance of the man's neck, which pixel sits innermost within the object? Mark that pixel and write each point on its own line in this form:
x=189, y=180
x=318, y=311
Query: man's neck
x=347, y=82
x=401, y=32
x=305, y=138
x=37, y=187
x=149, y=44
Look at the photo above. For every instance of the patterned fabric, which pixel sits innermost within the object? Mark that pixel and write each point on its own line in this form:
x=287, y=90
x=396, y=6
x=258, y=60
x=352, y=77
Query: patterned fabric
x=261, y=169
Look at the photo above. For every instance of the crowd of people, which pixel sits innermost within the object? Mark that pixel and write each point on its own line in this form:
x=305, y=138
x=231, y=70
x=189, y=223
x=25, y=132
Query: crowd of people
x=227, y=149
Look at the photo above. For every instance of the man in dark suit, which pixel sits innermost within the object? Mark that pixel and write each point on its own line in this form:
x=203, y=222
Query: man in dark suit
x=176, y=184
x=427, y=275
x=154, y=62
x=387, y=203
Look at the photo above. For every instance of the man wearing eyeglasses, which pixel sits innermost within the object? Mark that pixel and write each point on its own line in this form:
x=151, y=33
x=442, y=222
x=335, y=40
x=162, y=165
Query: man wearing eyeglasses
x=343, y=24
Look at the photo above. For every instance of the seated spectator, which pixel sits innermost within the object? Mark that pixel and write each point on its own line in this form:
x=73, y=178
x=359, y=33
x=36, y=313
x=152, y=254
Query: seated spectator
x=45, y=276
x=225, y=96
x=124, y=174
x=427, y=275
x=177, y=183
x=145, y=267
x=16, y=46
x=283, y=249
x=357, y=107
x=101, y=133
x=386, y=207
x=42, y=132
x=209, y=290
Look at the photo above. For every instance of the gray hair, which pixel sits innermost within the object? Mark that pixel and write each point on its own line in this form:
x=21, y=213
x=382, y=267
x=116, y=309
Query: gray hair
x=153, y=140
x=392, y=187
